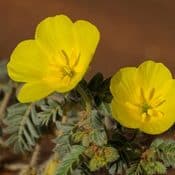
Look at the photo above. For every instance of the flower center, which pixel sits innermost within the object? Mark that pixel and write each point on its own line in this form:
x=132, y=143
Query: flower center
x=151, y=104
x=145, y=108
x=68, y=71
x=148, y=104
x=66, y=65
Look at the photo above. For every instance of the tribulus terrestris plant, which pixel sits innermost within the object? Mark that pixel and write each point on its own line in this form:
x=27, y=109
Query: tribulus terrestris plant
x=102, y=126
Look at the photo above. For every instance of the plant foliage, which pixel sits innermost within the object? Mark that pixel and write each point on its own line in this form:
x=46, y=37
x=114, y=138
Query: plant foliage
x=50, y=111
x=71, y=158
x=86, y=142
x=21, y=122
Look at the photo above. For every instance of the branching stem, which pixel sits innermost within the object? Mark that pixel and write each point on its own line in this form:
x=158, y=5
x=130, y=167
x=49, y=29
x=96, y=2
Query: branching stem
x=15, y=166
x=35, y=155
x=33, y=162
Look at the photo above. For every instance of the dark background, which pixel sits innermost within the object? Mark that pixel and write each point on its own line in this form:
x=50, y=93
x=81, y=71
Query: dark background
x=131, y=30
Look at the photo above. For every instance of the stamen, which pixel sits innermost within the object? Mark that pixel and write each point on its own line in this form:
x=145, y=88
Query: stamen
x=62, y=58
x=159, y=103
x=152, y=92
x=67, y=68
x=68, y=71
x=65, y=56
x=150, y=112
x=132, y=105
x=75, y=58
x=142, y=95
x=144, y=116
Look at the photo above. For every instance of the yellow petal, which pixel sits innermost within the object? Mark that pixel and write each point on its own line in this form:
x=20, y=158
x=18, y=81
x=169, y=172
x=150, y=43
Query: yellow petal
x=128, y=116
x=86, y=37
x=67, y=83
x=158, y=125
x=34, y=91
x=153, y=74
x=124, y=85
x=27, y=62
x=55, y=34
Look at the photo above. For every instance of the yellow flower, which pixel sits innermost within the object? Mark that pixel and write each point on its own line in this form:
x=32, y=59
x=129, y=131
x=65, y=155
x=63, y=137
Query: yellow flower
x=144, y=97
x=56, y=60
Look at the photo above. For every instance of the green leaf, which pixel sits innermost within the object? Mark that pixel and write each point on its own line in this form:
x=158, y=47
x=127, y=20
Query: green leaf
x=111, y=154
x=21, y=121
x=72, y=158
x=85, y=140
x=50, y=112
x=135, y=169
x=96, y=120
x=154, y=167
x=105, y=109
x=97, y=162
x=102, y=157
x=63, y=141
x=145, y=167
x=77, y=137
x=62, y=144
x=99, y=137
x=66, y=128
x=165, y=151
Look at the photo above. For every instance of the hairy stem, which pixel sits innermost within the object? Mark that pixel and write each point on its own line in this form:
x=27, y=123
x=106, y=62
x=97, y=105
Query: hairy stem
x=15, y=166
x=31, y=168
x=35, y=155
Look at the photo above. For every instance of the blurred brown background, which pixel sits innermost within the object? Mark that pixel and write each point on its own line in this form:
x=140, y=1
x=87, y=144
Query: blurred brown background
x=131, y=30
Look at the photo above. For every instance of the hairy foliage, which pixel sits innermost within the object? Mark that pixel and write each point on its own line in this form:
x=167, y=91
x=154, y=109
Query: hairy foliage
x=71, y=158
x=155, y=160
x=21, y=122
x=98, y=134
x=86, y=142
x=165, y=151
x=51, y=111
x=146, y=168
x=63, y=140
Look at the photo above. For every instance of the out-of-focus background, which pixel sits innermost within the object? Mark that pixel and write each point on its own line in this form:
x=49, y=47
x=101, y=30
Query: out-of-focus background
x=131, y=31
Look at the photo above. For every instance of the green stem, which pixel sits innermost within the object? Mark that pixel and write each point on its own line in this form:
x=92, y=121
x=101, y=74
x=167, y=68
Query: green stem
x=85, y=98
